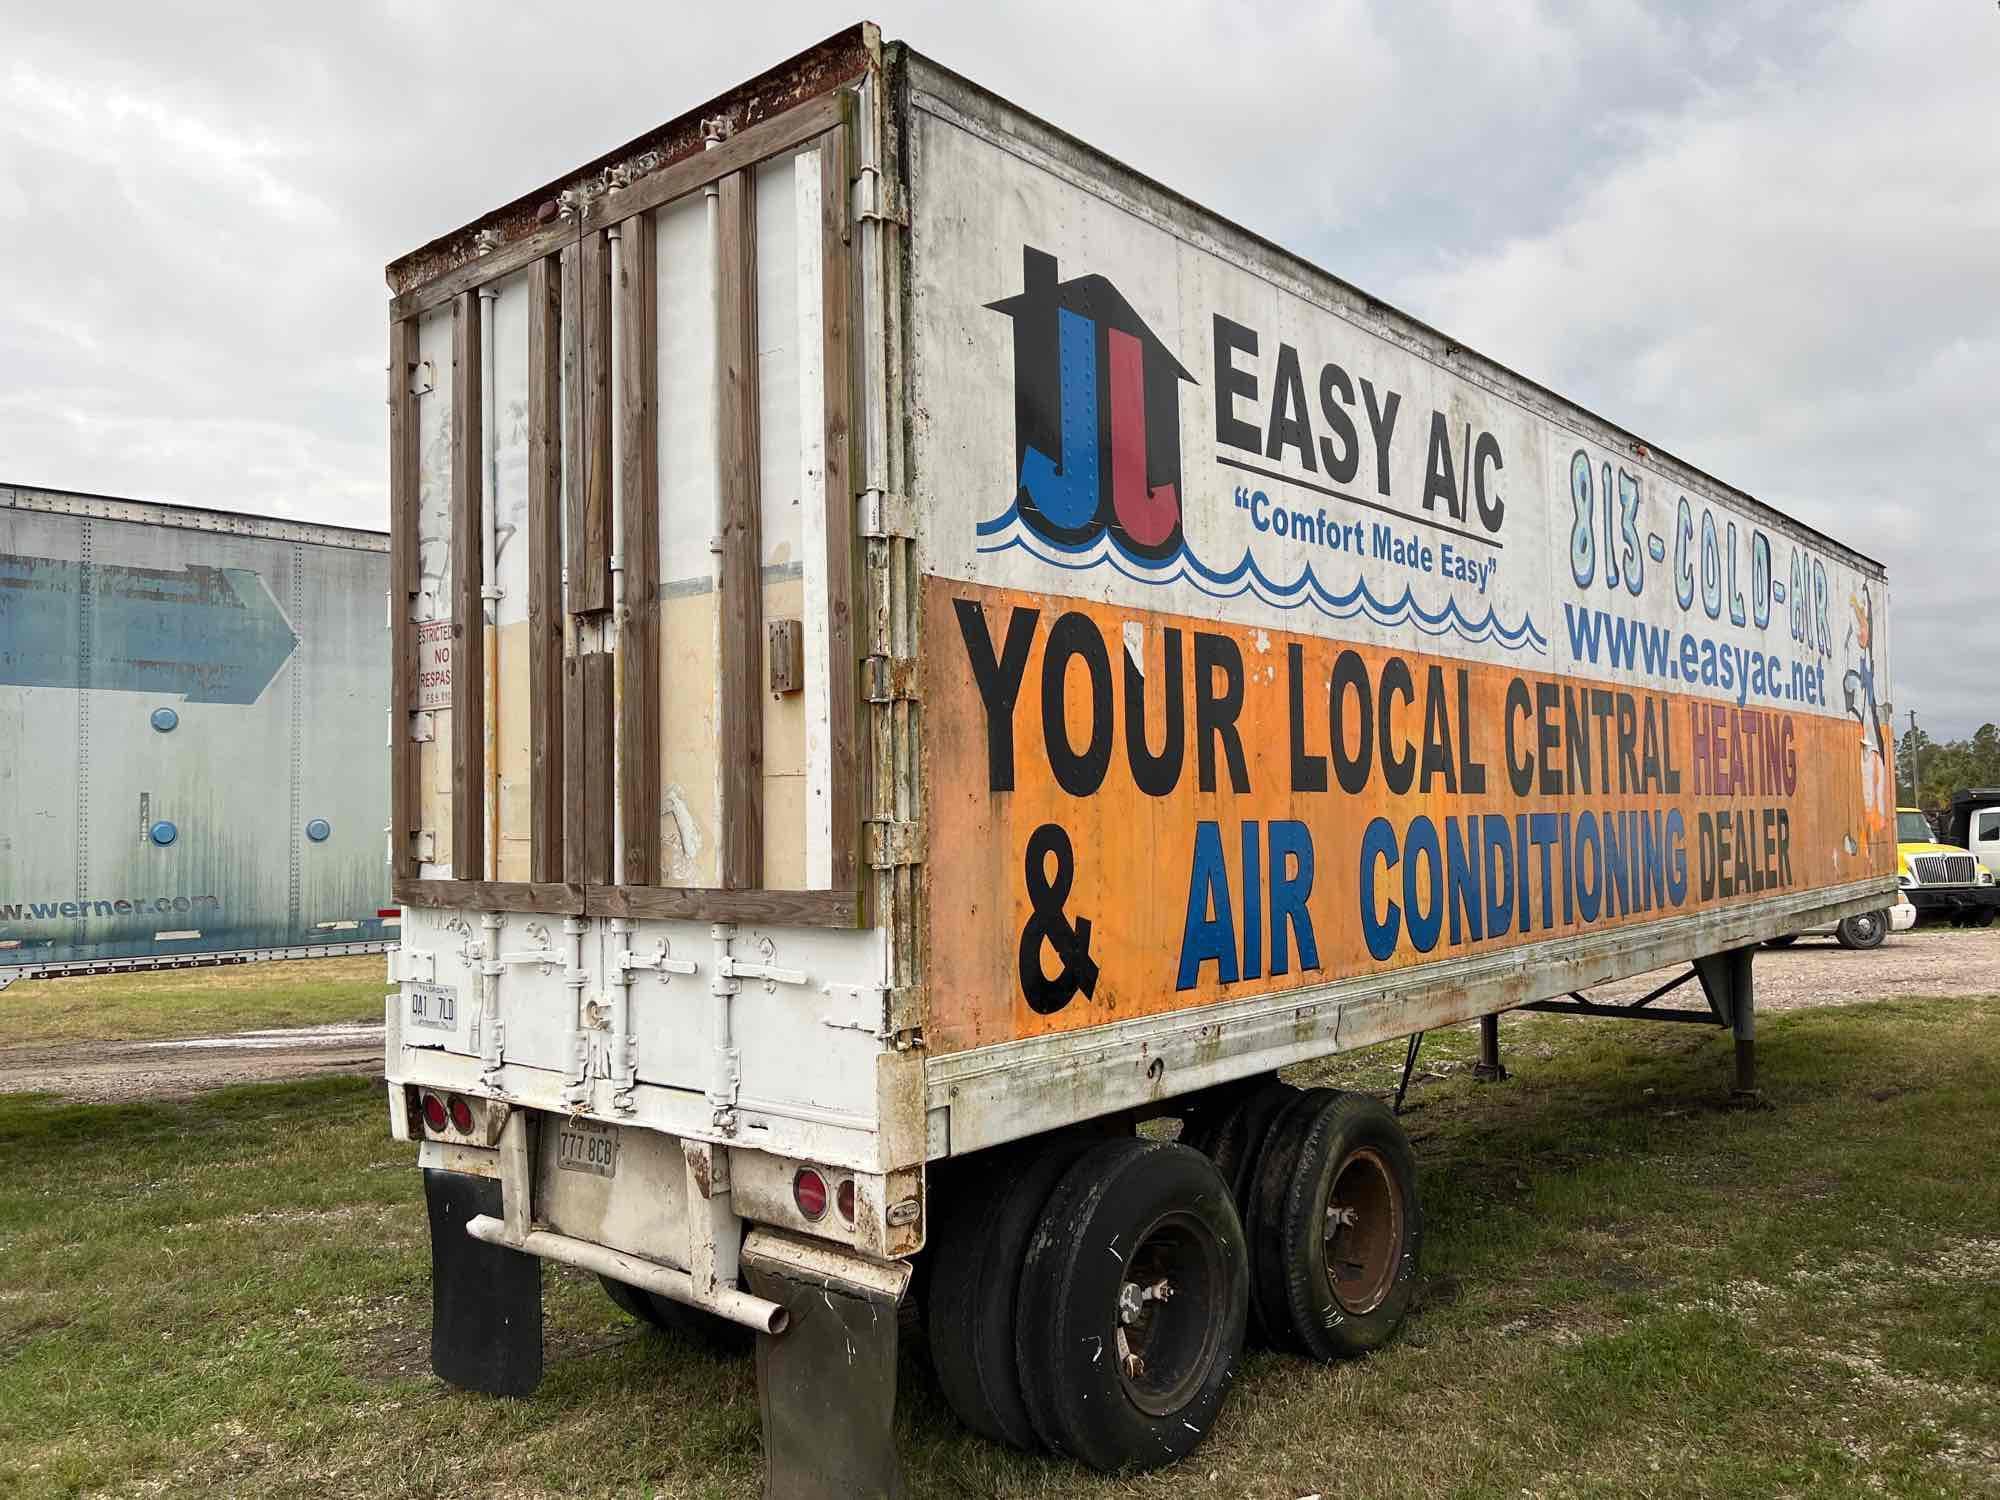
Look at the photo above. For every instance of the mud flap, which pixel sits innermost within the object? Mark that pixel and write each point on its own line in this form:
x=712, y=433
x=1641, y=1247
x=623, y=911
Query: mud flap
x=486, y=1300
x=827, y=1384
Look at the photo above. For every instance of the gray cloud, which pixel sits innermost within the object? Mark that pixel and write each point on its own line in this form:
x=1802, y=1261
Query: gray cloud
x=1760, y=235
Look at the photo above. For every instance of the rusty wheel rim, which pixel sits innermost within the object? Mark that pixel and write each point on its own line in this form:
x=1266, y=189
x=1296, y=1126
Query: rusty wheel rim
x=1364, y=1232
x=1167, y=1331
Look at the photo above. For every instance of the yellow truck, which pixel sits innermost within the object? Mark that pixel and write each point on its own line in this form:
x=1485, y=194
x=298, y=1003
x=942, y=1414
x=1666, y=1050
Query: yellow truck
x=1942, y=881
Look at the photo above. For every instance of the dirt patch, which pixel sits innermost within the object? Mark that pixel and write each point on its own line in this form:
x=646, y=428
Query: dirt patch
x=111, y=1072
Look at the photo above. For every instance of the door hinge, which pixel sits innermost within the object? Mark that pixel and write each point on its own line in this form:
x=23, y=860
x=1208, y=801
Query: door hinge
x=412, y=966
x=875, y=197
x=888, y=679
x=885, y=514
x=892, y=844
x=892, y=1015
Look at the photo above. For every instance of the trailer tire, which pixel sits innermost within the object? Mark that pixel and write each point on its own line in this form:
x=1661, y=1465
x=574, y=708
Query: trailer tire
x=1352, y=1154
x=971, y=1302
x=1864, y=931
x=717, y=1335
x=1262, y=1209
x=1240, y=1136
x=1133, y=1300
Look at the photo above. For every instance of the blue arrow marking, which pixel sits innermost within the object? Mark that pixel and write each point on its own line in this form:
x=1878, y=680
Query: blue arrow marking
x=211, y=635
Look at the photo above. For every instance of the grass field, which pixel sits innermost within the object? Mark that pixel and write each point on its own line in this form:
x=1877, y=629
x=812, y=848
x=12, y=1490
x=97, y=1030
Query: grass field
x=1631, y=1291
x=193, y=1002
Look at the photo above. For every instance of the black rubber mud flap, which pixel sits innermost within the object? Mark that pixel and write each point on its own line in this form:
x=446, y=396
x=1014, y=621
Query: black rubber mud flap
x=827, y=1386
x=486, y=1300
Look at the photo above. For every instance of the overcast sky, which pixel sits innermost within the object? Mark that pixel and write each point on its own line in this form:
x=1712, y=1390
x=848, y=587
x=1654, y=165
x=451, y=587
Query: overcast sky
x=1764, y=236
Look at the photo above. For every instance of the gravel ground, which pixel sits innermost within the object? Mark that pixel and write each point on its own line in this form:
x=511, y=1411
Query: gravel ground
x=1929, y=961
x=110, y=1072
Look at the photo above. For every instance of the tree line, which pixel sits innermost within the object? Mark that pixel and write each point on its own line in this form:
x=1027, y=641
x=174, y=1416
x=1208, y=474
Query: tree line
x=1945, y=766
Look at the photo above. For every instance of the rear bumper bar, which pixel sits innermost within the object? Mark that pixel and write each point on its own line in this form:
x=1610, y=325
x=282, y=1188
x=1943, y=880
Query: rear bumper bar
x=727, y=1302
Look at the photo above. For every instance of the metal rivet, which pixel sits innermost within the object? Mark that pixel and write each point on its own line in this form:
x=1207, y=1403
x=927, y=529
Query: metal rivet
x=165, y=720
x=163, y=833
x=319, y=830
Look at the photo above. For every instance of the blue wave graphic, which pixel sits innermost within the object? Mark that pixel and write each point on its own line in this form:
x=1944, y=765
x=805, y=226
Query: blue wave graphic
x=1009, y=531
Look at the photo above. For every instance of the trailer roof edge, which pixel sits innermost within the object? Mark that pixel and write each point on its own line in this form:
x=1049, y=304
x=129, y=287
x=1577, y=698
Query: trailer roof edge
x=48, y=500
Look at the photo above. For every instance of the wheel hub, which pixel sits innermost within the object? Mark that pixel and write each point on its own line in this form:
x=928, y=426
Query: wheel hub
x=1162, y=1319
x=1364, y=1233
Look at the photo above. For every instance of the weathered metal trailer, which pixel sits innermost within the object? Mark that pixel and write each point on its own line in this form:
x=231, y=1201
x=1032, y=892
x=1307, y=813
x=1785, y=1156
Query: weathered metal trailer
x=192, y=711
x=989, y=653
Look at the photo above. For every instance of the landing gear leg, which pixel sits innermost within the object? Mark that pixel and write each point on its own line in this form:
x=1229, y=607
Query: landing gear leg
x=1732, y=995
x=1488, y=1068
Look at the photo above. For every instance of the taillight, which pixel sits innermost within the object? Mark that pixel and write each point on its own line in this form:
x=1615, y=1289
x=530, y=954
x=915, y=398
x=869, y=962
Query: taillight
x=434, y=1114
x=843, y=1199
x=461, y=1115
x=809, y=1192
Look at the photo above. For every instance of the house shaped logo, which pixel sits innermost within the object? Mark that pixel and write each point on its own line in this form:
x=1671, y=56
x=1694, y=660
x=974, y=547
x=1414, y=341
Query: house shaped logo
x=1097, y=433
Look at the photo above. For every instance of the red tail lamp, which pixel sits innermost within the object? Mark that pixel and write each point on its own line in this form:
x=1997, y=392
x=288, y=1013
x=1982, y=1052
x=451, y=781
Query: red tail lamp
x=434, y=1114
x=809, y=1192
x=461, y=1115
x=843, y=1199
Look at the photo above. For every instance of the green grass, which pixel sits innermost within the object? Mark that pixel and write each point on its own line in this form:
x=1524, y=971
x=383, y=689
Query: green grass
x=1630, y=1290
x=192, y=1002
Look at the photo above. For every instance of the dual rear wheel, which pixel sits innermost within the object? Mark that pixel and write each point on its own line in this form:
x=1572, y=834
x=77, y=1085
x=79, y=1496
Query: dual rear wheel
x=1093, y=1298
x=703, y=1330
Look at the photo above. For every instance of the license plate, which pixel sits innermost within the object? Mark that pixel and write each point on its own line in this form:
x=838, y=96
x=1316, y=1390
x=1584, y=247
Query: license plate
x=434, y=1005
x=586, y=1146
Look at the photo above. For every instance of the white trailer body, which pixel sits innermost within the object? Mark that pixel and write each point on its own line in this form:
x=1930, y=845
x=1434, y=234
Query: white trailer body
x=911, y=637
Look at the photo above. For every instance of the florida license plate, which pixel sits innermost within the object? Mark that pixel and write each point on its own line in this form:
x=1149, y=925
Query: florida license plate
x=587, y=1146
x=434, y=1005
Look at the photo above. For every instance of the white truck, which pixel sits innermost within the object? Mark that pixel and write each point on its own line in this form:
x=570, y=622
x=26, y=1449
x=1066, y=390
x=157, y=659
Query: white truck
x=917, y=650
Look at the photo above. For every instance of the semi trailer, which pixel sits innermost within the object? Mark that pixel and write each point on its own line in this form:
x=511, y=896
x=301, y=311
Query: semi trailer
x=192, y=709
x=918, y=651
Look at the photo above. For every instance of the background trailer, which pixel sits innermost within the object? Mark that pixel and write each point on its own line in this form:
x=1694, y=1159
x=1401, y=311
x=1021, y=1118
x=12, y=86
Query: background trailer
x=192, y=712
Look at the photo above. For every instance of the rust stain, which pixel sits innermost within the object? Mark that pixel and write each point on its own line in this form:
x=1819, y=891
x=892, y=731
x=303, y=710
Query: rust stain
x=818, y=70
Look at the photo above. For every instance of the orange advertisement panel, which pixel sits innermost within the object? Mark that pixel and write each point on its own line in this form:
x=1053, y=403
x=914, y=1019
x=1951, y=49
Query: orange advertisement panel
x=1138, y=812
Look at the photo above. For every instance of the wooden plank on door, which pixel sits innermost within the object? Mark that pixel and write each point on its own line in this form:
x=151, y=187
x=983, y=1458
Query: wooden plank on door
x=596, y=764
x=837, y=379
x=576, y=867
x=544, y=543
x=587, y=684
x=403, y=583
x=639, y=550
x=590, y=521
x=740, y=607
x=468, y=666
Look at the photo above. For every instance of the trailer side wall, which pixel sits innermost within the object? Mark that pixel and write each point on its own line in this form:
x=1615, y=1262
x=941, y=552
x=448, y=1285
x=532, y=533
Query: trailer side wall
x=1280, y=655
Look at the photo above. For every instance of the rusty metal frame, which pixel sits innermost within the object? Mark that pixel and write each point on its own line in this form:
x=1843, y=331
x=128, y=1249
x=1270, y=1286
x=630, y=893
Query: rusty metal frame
x=1004, y=1091
x=544, y=891
x=823, y=124
x=570, y=853
x=689, y=175
x=1579, y=1003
